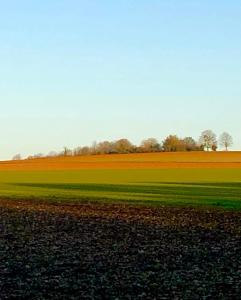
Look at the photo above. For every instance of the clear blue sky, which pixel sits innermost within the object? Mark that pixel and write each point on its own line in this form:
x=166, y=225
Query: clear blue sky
x=72, y=72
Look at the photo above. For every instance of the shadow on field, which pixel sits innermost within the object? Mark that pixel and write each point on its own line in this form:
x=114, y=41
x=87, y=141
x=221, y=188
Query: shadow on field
x=213, y=192
x=236, y=185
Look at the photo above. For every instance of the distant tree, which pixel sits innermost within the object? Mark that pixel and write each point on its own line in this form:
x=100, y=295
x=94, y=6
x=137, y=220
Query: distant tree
x=52, y=154
x=172, y=144
x=150, y=145
x=214, y=147
x=123, y=146
x=17, y=157
x=86, y=150
x=93, y=147
x=77, y=151
x=225, y=140
x=38, y=155
x=67, y=152
x=105, y=147
x=208, y=140
x=190, y=144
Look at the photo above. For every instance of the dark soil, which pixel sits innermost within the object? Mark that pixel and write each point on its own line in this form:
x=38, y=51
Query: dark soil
x=100, y=251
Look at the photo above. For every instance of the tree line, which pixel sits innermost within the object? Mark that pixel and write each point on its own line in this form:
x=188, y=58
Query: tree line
x=207, y=142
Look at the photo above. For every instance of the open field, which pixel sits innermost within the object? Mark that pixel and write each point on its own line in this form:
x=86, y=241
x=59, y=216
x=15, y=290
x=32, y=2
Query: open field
x=73, y=228
x=130, y=161
x=101, y=251
x=196, y=178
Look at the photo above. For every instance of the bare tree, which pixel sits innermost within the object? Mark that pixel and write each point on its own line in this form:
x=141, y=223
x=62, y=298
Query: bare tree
x=67, y=151
x=150, y=145
x=52, y=154
x=208, y=140
x=123, y=146
x=172, y=144
x=82, y=151
x=17, y=157
x=85, y=150
x=105, y=147
x=38, y=155
x=93, y=148
x=190, y=144
x=225, y=140
x=77, y=151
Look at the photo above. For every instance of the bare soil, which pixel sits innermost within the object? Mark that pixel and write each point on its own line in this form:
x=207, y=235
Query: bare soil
x=100, y=251
x=130, y=161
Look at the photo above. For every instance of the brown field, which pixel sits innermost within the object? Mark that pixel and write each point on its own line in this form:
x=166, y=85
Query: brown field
x=131, y=161
x=100, y=251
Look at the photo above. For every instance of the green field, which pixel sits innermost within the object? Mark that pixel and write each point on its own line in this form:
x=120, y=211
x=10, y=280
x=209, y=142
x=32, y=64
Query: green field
x=214, y=187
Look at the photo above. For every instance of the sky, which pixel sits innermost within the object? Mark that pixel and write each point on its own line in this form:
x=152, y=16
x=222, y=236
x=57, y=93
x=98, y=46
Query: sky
x=73, y=72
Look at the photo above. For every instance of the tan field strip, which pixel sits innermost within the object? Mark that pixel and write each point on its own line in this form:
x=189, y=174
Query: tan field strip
x=130, y=161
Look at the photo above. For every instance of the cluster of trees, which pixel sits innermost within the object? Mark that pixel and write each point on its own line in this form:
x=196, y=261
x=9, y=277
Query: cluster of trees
x=172, y=143
x=208, y=140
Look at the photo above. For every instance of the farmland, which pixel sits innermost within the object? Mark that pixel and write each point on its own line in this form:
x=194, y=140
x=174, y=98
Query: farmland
x=136, y=226
x=159, y=178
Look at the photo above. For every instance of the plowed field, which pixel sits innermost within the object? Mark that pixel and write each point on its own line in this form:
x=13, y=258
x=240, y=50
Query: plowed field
x=105, y=251
x=130, y=161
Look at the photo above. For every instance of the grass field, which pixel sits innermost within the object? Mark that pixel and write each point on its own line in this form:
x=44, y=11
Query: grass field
x=164, y=178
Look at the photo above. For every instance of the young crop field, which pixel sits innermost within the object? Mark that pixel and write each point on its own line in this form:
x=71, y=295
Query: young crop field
x=164, y=178
x=138, y=226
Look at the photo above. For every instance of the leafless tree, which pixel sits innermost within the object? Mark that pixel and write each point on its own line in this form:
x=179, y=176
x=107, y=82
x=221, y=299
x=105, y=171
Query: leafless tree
x=190, y=144
x=86, y=150
x=208, y=140
x=67, y=152
x=105, y=147
x=172, y=144
x=94, y=148
x=123, y=146
x=150, y=145
x=52, y=154
x=17, y=157
x=77, y=151
x=38, y=155
x=225, y=140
